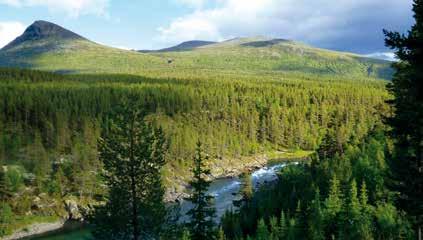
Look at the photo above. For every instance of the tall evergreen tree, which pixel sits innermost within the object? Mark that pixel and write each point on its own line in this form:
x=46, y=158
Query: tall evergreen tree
x=202, y=223
x=407, y=122
x=4, y=192
x=316, y=226
x=351, y=214
x=262, y=231
x=133, y=154
x=282, y=226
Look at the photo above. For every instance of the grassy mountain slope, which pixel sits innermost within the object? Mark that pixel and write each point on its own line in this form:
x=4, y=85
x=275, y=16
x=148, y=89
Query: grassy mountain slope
x=185, y=46
x=242, y=55
x=278, y=55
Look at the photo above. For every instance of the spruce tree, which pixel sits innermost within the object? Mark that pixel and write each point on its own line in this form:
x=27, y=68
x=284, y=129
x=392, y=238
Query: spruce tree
x=351, y=214
x=333, y=206
x=4, y=192
x=201, y=224
x=221, y=234
x=186, y=235
x=315, y=225
x=334, y=201
x=262, y=231
x=365, y=224
x=407, y=122
x=133, y=155
x=282, y=226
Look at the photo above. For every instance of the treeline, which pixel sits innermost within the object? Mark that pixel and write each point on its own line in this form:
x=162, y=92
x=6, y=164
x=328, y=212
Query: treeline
x=341, y=195
x=50, y=124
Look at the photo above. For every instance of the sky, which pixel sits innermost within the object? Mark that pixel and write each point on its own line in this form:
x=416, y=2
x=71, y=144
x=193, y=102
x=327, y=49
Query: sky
x=344, y=25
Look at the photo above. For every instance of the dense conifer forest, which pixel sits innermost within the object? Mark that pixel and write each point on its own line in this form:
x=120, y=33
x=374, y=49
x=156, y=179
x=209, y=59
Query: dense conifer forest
x=50, y=123
x=119, y=144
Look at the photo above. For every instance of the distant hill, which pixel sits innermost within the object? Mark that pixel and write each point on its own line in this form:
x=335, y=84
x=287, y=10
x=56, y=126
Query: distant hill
x=40, y=30
x=185, y=46
x=47, y=46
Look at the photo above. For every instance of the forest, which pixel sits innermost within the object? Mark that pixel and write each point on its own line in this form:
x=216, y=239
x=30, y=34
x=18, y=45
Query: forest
x=51, y=123
x=115, y=144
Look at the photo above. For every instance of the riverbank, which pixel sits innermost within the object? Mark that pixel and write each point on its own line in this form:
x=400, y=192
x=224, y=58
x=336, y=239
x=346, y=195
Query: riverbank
x=221, y=174
x=36, y=229
x=177, y=181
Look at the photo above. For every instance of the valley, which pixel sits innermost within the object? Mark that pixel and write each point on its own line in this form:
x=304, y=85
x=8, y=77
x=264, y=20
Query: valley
x=308, y=124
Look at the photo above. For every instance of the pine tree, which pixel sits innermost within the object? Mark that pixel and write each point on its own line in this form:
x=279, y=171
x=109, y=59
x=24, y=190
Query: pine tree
x=333, y=206
x=262, y=231
x=4, y=191
x=6, y=217
x=333, y=203
x=274, y=228
x=316, y=226
x=221, y=234
x=352, y=214
x=407, y=122
x=292, y=230
x=365, y=222
x=186, y=235
x=133, y=154
x=201, y=224
x=282, y=226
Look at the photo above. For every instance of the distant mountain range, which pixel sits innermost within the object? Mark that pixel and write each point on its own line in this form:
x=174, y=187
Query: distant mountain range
x=47, y=46
x=185, y=46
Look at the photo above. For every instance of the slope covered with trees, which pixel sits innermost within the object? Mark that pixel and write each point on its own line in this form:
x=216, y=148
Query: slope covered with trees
x=50, y=124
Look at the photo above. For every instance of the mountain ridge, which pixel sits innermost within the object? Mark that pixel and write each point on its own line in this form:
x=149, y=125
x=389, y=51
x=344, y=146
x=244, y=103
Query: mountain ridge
x=41, y=29
x=47, y=46
x=184, y=46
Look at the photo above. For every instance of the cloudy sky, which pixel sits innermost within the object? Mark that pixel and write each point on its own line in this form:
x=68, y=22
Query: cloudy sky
x=347, y=25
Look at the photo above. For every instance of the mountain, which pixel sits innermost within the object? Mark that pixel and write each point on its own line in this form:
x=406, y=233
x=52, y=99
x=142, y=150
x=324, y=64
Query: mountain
x=40, y=30
x=47, y=46
x=185, y=46
x=263, y=54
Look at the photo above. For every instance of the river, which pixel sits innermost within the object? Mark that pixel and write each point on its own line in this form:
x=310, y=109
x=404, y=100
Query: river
x=224, y=190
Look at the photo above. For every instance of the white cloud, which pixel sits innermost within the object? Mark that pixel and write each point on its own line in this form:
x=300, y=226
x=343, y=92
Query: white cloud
x=9, y=31
x=321, y=22
x=390, y=56
x=72, y=8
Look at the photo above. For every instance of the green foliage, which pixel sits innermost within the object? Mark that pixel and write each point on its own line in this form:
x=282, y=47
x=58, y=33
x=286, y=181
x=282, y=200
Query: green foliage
x=4, y=190
x=334, y=201
x=245, y=55
x=407, y=121
x=347, y=211
x=262, y=231
x=186, y=235
x=316, y=225
x=55, y=121
x=6, y=218
x=132, y=152
x=201, y=223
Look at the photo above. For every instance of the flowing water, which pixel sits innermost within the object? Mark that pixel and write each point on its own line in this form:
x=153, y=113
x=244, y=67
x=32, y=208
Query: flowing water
x=224, y=190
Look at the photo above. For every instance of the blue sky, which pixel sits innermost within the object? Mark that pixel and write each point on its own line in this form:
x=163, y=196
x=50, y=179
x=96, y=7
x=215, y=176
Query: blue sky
x=347, y=25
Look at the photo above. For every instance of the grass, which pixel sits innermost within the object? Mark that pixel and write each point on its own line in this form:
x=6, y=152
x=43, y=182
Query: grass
x=241, y=56
x=22, y=222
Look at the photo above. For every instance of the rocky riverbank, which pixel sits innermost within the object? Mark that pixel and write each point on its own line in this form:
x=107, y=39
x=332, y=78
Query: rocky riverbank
x=36, y=229
x=74, y=210
x=227, y=168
